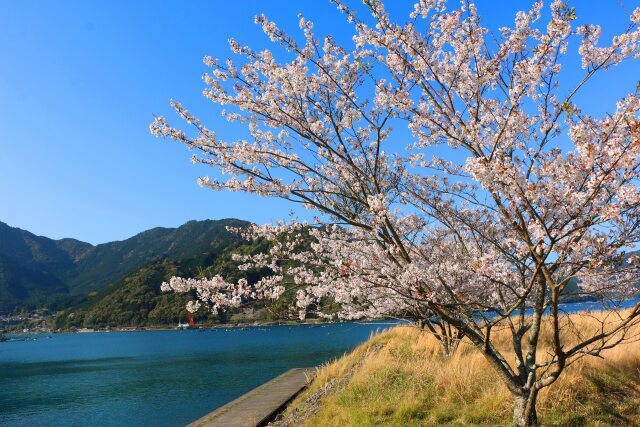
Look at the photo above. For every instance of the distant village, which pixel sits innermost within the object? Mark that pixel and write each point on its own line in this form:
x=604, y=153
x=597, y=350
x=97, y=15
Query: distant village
x=34, y=322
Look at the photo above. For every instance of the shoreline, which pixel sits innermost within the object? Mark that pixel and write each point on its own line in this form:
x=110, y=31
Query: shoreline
x=175, y=328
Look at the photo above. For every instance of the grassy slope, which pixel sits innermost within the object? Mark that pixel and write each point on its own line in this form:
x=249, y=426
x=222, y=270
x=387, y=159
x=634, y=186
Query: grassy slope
x=398, y=378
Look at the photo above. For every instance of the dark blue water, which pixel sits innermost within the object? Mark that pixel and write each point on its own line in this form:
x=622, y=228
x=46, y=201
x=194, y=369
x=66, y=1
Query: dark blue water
x=161, y=378
x=576, y=307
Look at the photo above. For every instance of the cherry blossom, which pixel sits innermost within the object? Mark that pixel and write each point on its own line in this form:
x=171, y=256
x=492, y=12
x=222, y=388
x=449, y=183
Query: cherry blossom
x=507, y=200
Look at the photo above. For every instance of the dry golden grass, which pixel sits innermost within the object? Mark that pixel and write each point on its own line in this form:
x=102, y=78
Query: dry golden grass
x=399, y=378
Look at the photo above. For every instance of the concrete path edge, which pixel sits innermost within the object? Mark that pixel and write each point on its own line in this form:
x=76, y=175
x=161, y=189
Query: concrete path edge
x=262, y=404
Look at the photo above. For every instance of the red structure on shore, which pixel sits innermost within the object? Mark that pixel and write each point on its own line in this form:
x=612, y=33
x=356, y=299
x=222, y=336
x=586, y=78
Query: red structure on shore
x=191, y=322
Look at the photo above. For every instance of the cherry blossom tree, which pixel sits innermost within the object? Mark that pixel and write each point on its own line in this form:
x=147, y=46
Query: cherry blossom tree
x=495, y=199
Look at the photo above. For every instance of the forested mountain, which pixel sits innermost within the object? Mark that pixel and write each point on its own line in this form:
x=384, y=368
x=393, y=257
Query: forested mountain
x=136, y=299
x=32, y=268
x=37, y=271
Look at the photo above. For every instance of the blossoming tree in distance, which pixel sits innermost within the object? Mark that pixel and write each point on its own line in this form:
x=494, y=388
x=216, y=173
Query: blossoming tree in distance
x=495, y=199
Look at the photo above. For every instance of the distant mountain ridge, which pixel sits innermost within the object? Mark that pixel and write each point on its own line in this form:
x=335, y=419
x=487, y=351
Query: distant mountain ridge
x=38, y=271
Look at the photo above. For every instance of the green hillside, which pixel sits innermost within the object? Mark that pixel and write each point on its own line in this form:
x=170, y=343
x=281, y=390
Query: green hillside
x=32, y=267
x=136, y=299
x=36, y=271
x=24, y=284
x=106, y=263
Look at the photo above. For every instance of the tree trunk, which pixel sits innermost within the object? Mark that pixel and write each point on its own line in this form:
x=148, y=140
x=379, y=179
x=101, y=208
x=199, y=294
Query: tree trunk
x=449, y=345
x=448, y=336
x=524, y=409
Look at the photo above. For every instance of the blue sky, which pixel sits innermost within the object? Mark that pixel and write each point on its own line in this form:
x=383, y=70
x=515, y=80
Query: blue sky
x=80, y=82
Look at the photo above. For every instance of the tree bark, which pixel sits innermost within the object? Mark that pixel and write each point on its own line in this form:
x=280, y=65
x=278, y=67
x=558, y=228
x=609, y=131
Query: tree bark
x=524, y=409
x=448, y=337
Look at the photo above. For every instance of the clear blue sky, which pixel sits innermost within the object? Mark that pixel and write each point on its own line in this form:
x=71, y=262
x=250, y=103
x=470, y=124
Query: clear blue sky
x=81, y=80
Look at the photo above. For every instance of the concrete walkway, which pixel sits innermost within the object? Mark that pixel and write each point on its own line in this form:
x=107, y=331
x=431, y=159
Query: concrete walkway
x=260, y=405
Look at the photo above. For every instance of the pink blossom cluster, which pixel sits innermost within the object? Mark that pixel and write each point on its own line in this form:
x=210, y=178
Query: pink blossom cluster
x=507, y=196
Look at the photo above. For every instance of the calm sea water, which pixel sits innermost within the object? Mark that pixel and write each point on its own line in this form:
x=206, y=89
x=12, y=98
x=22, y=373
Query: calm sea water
x=160, y=378
x=154, y=378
